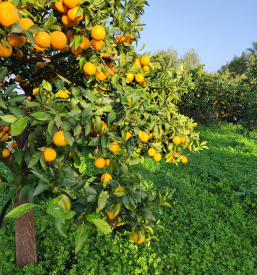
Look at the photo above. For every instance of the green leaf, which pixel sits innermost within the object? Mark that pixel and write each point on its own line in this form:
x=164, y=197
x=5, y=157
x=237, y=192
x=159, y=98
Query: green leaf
x=79, y=12
x=94, y=142
x=81, y=237
x=102, y=199
x=16, y=111
x=44, y=177
x=32, y=104
x=3, y=185
x=45, y=221
x=34, y=29
x=9, y=118
x=24, y=191
x=2, y=104
x=31, y=139
x=20, y=210
x=70, y=215
x=34, y=159
x=43, y=162
x=3, y=73
x=40, y=188
x=120, y=191
x=68, y=138
x=47, y=86
x=99, y=223
x=30, y=37
x=55, y=210
x=59, y=227
x=142, y=48
x=16, y=98
x=10, y=89
x=111, y=117
x=166, y=204
x=42, y=116
x=18, y=154
x=18, y=126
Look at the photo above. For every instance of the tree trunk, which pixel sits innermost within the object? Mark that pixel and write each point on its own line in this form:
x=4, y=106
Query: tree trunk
x=26, y=251
x=219, y=121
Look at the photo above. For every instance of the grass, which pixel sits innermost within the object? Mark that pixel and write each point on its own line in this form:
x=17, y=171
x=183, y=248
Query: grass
x=211, y=228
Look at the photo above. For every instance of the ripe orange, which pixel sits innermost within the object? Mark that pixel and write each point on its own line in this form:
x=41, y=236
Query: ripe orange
x=184, y=159
x=58, y=40
x=49, y=154
x=100, y=163
x=5, y=153
x=60, y=7
x=8, y=16
x=157, y=156
x=18, y=53
x=39, y=49
x=85, y=44
x=76, y=51
x=4, y=128
x=103, y=128
x=146, y=68
x=69, y=36
x=142, y=83
x=89, y=68
x=110, y=215
x=143, y=136
x=41, y=65
x=139, y=77
x=15, y=40
x=109, y=64
x=14, y=144
x=68, y=22
x=130, y=77
x=183, y=140
x=98, y=32
x=26, y=23
x=70, y=3
x=115, y=147
x=120, y=39
x=72, y=12
x=5, y=51
x=145, y=60
x=128, y=135
x=6, y=5
x=106, y=178
x=128, y=38
x=97, y=44
x=52, y=6
x=18, y=78
x=107, y=162
x=137, y=63
x=176, y=140
x=42, y=39
x=138, y=237
x=59, y=139
x=101, y=76
x=151, y=152
x=65, y=49
x=62, y=94
x=3, y=137
x=117, y=221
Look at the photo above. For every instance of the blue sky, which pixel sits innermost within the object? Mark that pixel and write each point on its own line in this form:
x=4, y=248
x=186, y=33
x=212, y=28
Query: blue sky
x=216, y=29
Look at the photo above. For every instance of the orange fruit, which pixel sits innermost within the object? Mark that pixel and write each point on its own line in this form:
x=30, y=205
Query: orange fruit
x=144, y=60
x=176, y=140
x=128, y=38
x=115, y=147
x=8, y=16
x=142, y=83
x=15, y=40
x=130, y=77
x=9, y=133
x=5, y=128
x=85, y=44
x=25, y=84
x=117, y=221
x=143, y=136
x=39, y=49
x=14, y=144
x=42, y=39
x=76, y=51
x=18, y=78
x=103, y=128
x=69, y=36
x=48, y=100
x=89, y=68
x=49, y=154
x=6, y=5
x=184, y=159
x=3, y=137
x=97, y=44
x=110, y=215
x=183, y=140
x=98, y=32
x=41, y=65
x=18, y=53
x=137, y=63
x=100, y=163
x=109, y=64
x=70, y=154
x=101, y=76
x=68, y=22
x=72, y=12
x=110, y=71
x=65, y=49
x=106, y=178
x=59, y=139
x=157, y=156
x=62, y=94
x=146, y=68
x=26, y=23
x=60, y=7
x=128, y=135
x=139, y=77
x=70, y=3
x=107, y=162
x=58, y=40
x=138, y=237
x=120, y=39
x=5, y=153
x=151, y=152
x=5, y=51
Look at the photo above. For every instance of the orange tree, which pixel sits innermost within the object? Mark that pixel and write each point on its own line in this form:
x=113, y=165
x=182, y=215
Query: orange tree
x=84, y=89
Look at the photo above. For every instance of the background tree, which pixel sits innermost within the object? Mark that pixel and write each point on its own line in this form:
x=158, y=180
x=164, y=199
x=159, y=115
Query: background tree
x=191, y=59
x=170, y=54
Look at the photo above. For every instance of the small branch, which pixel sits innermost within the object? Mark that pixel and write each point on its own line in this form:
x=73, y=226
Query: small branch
x=25, y=146
x=77, y=222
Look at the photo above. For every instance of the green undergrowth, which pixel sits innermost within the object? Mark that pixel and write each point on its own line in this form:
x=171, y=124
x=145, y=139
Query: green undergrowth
x=211, y=228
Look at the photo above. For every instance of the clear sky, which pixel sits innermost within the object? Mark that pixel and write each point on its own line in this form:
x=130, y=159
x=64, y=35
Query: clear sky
x=218, y=30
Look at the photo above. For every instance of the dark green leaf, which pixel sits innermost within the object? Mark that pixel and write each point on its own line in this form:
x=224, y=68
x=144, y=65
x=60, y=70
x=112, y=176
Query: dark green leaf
x=59, y=227
x=81, y=237
x=45, y=221
x=34, y=159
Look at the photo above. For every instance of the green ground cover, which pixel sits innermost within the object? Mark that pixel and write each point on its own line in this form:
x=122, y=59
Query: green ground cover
x=211, y=228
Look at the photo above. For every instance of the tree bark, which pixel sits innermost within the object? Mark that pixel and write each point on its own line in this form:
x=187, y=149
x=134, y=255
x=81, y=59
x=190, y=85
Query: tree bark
x=26, y=251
